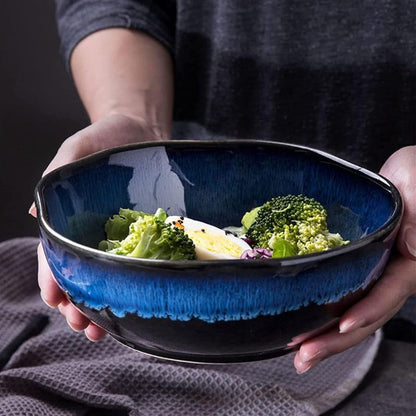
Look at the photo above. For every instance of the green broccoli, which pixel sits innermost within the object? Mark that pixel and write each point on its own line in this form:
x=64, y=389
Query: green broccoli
x=146, y=236
x=117, y=227
x=290, y=225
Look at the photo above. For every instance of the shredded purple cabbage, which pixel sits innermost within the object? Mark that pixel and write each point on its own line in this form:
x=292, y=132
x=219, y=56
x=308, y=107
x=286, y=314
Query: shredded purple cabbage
x=257, y=253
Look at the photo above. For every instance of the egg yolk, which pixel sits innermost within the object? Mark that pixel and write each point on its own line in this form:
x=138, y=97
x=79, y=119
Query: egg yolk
x=215, y=243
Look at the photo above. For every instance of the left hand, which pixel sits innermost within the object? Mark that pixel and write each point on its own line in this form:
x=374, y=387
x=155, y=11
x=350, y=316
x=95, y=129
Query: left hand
x=393, y=288
x=111, y=131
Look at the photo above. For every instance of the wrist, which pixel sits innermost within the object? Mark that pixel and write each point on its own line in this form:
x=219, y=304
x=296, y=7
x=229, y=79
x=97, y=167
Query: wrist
x=149, y=121
x=125, y=72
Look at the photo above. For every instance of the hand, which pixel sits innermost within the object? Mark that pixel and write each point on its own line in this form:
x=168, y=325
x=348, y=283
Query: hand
x=394, y=287
x=109, y=132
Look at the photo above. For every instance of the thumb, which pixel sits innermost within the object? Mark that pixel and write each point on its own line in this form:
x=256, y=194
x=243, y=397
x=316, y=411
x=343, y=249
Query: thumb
x=400, y=169
x=111, y=131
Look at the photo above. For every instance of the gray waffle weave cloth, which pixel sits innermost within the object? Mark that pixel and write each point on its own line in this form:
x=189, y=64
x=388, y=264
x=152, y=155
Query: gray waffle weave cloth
x=59, y=372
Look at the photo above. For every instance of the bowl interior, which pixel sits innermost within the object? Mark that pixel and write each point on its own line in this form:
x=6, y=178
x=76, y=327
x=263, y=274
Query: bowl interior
x=211, y=182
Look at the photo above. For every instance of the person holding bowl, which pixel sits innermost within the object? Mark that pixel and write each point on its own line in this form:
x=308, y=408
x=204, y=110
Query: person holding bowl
x=317, y=75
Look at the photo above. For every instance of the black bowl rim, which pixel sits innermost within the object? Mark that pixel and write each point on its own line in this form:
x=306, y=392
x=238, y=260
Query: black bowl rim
x=278, y=264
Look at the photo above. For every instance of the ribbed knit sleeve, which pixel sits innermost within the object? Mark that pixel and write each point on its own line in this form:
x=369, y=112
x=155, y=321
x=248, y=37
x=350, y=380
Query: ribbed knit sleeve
x=77, y=19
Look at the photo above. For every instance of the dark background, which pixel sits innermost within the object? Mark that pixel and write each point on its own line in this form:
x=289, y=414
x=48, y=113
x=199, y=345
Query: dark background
x=39, y=107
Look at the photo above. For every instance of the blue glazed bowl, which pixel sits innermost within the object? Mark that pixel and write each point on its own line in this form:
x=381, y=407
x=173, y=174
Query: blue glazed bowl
x=214, y=310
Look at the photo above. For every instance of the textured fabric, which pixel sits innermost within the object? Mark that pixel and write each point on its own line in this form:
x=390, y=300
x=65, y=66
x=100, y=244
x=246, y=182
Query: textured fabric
x=77, y=19
x=389, y=388
x=335, y=75
x=59, y=372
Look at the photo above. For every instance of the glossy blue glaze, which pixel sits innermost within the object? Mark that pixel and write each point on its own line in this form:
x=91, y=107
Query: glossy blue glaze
x=215, y=186
x=225, y=293
x=215, y=182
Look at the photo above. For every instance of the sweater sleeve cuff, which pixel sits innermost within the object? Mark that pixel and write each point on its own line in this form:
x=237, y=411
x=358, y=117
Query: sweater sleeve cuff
x=78, y=19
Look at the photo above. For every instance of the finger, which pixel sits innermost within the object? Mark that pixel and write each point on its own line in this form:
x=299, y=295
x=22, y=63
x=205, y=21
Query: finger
x=94, y=332
x=33, y=211
x=390, y=292
x=318, y=349
x=75, y=318
x=109, y=132
x=400, y=168
x=364, y=318
x=50, y=292
x=71, y=149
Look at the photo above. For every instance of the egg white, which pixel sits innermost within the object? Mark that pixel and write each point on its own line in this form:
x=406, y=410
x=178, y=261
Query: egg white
x=211, y=243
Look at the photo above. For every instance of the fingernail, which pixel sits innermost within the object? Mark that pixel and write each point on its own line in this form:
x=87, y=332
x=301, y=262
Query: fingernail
x=32, y=210
x=305, y=356
x=410, y=240
x=349, y=326
x=89, y=338
x=304, y=370
x=45, y=301
x=73, y=326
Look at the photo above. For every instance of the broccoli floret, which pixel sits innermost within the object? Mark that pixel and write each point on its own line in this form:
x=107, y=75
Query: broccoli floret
x=292, y=225
x=117, y=227
x=150, y=237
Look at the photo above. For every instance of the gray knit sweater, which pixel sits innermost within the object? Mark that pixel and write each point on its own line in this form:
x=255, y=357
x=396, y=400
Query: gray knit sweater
x=336, y=75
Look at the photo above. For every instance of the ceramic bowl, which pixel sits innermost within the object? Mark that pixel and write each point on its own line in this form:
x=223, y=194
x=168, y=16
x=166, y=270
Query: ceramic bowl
x=214, y=310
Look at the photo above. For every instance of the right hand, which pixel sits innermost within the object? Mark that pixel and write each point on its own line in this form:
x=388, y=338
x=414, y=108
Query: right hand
x=112, y=131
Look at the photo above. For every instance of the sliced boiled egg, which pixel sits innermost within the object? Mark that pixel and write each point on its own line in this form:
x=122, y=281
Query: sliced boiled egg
x=211, y=243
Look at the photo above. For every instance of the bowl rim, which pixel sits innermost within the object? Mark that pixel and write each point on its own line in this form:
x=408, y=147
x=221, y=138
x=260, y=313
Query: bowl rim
x=278, y=263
